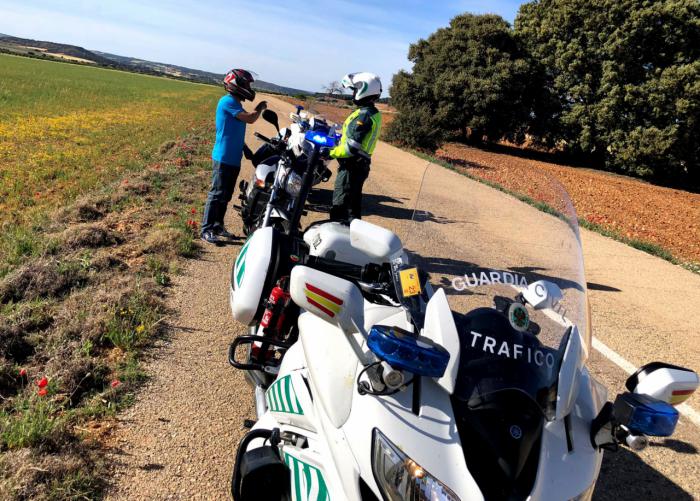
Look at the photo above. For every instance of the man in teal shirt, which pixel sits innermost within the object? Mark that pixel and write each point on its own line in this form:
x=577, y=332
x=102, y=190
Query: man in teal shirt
x=231, y=120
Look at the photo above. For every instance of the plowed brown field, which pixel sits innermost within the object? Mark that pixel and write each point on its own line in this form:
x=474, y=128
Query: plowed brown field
x=631, y=208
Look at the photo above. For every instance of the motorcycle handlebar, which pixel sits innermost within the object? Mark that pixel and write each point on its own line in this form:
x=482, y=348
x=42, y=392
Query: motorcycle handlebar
x=262, y=138
x=370, y=273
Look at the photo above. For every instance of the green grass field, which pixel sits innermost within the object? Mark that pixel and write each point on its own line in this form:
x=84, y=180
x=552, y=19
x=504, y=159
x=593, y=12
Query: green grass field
x=65, y=129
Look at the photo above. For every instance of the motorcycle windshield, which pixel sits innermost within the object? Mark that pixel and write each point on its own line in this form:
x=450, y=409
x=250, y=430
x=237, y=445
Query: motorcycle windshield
x=512, y=270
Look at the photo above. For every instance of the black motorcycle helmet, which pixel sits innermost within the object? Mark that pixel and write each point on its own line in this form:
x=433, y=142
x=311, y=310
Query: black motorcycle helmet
x=238, y=83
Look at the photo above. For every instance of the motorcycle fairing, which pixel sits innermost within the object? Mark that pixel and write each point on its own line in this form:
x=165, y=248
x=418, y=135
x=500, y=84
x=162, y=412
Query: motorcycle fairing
x=288, y=399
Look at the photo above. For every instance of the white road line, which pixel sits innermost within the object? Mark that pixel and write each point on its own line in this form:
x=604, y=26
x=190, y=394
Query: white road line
x=629, y=368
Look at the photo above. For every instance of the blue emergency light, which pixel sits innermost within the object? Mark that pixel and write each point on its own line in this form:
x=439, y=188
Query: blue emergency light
x=405, y=351
x=644, y=414
x=320, y=139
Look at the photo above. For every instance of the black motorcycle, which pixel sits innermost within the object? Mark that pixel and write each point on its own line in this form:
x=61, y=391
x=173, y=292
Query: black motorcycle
x=274, y=196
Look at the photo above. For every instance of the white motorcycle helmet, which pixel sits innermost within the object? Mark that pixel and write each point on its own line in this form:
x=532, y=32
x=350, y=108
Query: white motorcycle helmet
x=366, y=87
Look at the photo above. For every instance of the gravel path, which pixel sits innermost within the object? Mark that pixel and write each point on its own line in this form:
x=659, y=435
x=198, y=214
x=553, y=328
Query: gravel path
x=179, y=439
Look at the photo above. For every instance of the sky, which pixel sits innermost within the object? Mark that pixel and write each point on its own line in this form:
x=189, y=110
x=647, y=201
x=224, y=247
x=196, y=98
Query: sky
x=297, y=43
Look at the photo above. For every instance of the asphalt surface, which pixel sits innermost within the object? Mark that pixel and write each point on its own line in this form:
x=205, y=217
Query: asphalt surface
x=178, y=441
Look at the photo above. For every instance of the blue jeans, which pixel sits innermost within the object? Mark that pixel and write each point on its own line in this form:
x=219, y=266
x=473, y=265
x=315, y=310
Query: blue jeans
x=223, y=182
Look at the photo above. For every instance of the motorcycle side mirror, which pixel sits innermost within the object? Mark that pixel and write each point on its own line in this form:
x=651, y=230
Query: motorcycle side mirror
x=335, y=300
x=271, y=117
x=669, y=383
x=542, y=294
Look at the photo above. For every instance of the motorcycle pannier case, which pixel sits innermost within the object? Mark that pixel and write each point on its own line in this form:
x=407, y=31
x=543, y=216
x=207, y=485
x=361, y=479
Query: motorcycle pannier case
x=263, y=259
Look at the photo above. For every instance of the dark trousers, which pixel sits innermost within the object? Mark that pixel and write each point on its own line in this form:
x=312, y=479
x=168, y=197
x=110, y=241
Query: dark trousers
x=347, y=195
x=223, y=182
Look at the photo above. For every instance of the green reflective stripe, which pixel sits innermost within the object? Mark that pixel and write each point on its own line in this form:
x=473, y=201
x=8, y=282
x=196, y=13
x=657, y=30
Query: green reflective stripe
x=315, y=488
x=307, y=478
x=322, y=488
x=239, y=266
x=276, y=396
x=288, y=400
x=295, y=478
x=282, y=397
x=275, y=403
x=239, y=276
x=273, y=399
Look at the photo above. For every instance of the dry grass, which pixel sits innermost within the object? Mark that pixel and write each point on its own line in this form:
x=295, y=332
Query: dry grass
x=79, y=309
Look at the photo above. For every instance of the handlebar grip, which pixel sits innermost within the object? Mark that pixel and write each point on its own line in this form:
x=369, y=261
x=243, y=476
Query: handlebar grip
x=261, y=137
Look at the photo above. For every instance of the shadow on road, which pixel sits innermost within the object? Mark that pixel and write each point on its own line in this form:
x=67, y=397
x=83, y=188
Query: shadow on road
x=676, y=446
x=624, y=476
x=532, y=273
x=600, y=287
x=321, y=199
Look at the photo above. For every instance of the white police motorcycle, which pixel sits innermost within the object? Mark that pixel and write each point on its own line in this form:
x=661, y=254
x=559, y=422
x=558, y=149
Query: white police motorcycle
x=449, y=366
x=274, y=194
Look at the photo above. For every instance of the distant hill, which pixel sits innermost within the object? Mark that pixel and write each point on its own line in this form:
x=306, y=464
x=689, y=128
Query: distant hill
x=73, y=53
x=26, y=46
x=196, y=75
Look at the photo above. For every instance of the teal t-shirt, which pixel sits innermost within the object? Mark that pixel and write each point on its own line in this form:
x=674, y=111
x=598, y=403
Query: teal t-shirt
x=230, y=132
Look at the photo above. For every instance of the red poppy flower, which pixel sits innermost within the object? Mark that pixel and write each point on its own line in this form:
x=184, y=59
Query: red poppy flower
x=23, y=372
x=42, y=382
x=115, y=383
x=43, y=392
x=193, y=210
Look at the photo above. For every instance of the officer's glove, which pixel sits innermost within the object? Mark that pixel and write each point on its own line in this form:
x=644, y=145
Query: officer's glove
x=324, y=153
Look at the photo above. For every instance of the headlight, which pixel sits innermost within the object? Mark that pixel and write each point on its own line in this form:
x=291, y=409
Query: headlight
x=293, y=185
x=400, y=478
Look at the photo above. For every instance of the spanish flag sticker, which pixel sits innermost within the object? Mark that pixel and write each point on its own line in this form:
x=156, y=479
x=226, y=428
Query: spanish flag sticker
x=680, y=396
x=324, y=301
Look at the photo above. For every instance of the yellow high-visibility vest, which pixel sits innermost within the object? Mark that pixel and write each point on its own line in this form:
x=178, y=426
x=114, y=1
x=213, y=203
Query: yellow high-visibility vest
x=369, y=142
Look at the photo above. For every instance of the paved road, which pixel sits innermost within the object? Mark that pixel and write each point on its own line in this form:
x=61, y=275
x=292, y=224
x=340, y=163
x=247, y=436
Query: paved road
x=178, y=441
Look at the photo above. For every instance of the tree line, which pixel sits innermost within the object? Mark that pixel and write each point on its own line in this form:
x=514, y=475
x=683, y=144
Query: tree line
x=616, y=82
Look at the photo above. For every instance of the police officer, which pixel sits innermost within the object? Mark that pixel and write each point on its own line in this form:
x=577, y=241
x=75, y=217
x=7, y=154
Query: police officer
x=354, y=151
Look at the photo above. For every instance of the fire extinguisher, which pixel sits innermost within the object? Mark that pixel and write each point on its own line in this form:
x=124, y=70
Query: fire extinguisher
x=274, y=315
